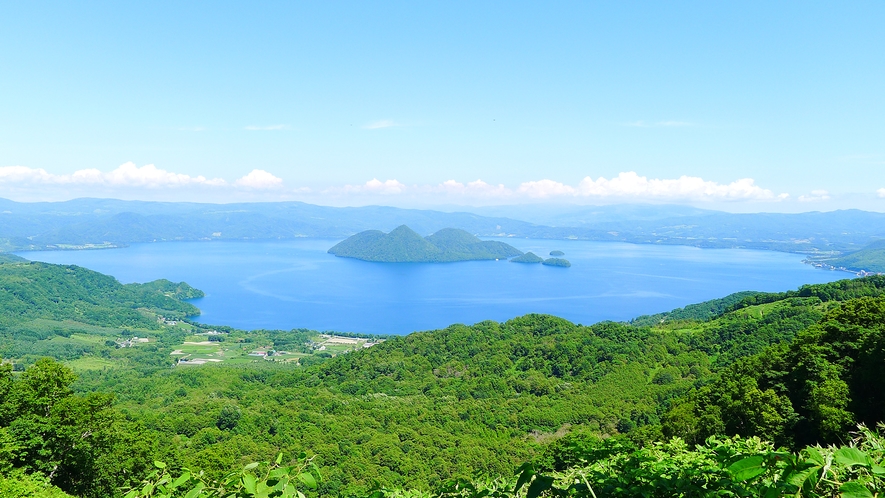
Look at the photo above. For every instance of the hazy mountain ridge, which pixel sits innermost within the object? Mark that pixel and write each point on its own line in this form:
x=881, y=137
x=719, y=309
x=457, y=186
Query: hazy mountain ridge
x=35, y=226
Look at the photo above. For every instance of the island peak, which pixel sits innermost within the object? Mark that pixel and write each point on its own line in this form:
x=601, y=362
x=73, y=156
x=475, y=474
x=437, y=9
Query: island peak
x=404, y=245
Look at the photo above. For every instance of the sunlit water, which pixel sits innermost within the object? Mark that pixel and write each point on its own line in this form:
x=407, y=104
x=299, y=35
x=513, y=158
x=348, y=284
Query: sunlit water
x=296, y=284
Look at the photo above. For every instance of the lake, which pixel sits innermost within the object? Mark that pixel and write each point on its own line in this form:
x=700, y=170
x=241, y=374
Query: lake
x=296, y=284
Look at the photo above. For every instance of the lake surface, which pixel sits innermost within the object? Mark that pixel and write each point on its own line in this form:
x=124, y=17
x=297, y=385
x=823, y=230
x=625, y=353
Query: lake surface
x=296, y=284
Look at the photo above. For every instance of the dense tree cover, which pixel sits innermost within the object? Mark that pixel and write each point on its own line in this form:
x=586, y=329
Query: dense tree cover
x=404, y=245
x=840, y=290
x=11, y=258
x=43, y=305
x=469, y=401
x=31, y=290
x=422, y=408
x=811, y=390
x=564, y=263
x=528, y=257
x=704, y=311
x=591, y=467
x=78, y=442
x=870, y=258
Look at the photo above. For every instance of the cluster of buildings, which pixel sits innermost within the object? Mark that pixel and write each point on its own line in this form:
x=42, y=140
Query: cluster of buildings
x=128, y=343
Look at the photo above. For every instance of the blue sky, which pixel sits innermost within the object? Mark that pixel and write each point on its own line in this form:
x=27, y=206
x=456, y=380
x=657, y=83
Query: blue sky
x=742, y=106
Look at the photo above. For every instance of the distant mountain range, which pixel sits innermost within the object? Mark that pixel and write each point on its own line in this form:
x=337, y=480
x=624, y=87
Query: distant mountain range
x=86, y=223
x=404, y=245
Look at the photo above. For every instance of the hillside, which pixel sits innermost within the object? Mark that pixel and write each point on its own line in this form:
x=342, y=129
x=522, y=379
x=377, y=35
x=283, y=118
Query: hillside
x=76, y=223
x=404, y=245
x=45, y=307
x=419, y=409
x=413, y=412
x=871, y=258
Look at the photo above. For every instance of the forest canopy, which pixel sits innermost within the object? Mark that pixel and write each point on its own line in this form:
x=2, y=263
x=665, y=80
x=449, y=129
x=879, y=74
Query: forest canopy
x=791, y=370
x=404, y=245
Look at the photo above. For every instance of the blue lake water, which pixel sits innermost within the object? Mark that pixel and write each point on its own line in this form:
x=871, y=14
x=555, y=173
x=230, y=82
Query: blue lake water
x=296, y=284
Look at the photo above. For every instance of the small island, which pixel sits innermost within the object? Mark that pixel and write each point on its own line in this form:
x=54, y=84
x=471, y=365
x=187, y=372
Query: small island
x=528, y=257
x=404, y=245
x=557, y=254
x=564, y=263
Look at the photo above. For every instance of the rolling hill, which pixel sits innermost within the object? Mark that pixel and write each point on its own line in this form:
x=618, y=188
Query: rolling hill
x=404, y=245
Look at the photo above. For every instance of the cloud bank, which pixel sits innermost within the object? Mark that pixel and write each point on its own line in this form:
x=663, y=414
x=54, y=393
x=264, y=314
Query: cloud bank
x=815, y=196
x=626, y=186
x=149, y=182
x=129, y=175
x=259, y=179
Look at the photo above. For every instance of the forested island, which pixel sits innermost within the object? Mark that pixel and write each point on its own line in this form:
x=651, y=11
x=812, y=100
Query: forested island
x=404, y=245
x=531, y=257
x=728, y=398
x=564, y=263
x=528, y=257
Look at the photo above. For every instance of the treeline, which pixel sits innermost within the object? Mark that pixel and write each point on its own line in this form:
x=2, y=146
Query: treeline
x=77, y=442
x=475, y=402
x=695, y=312
x=41, y=302
x=31, y=290
x=811, y=390
x=870, y=258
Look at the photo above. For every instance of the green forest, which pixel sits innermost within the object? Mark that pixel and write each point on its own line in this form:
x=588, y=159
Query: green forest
x=755, y=394
x=871, y=258
x=404, y=245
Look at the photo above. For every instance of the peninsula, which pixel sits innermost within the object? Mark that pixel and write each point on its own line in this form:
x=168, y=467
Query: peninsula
x=870, y=259
x=404, y=245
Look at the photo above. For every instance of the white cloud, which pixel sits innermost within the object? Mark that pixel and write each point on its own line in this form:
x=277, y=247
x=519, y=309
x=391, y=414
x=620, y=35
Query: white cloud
x=126, y=175
x=476, y=187
x=259, y=179
x=815, y=196
x=545, y=188
x=881, y=192
x=23, y=174
x=625, y=187
x=377, y=125
x=629, y=184
x=267, y=128
x=373, y=186
x=129, y=175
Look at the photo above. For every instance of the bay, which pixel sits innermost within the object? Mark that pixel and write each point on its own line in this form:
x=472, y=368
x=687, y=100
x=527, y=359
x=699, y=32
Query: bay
x=296, y=284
